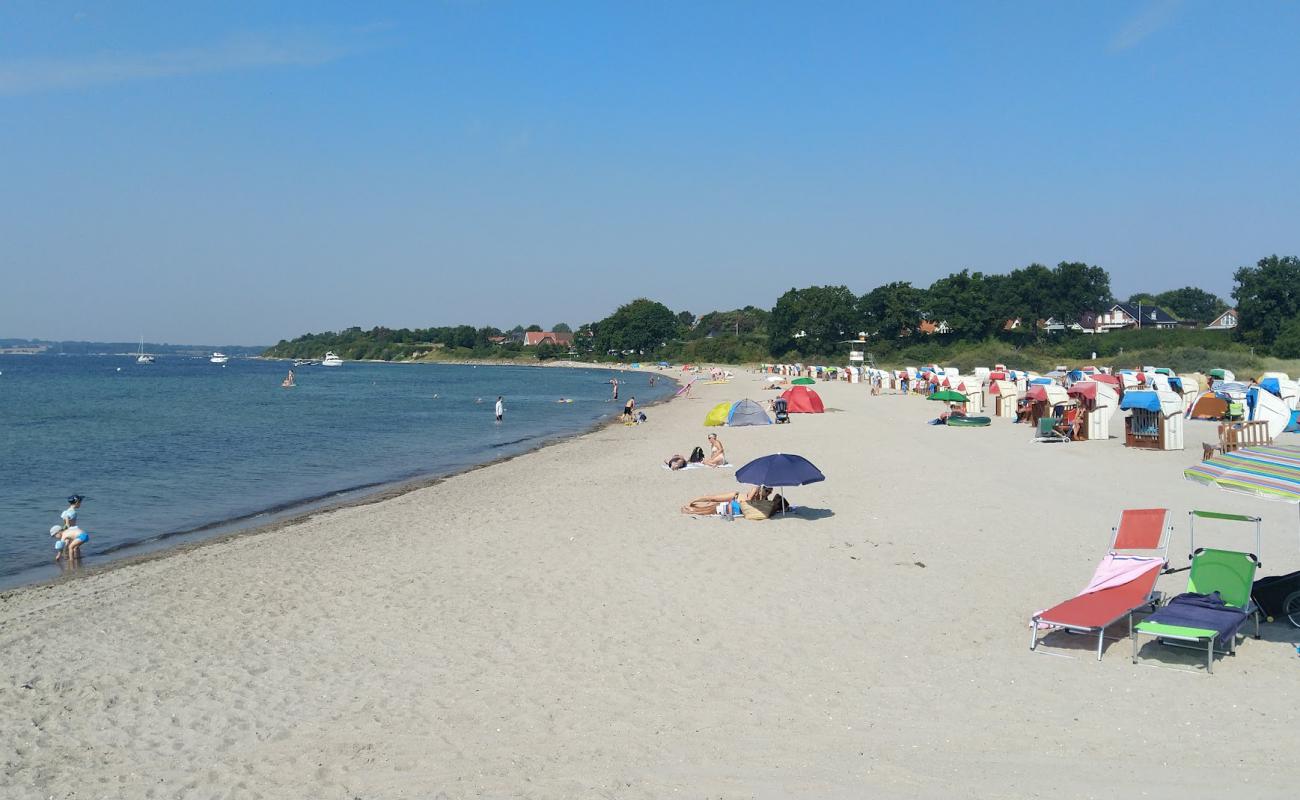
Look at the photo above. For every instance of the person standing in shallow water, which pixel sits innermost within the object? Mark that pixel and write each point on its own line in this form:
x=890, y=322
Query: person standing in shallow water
x=70, y=535
x=614, y=383
x=501, y=408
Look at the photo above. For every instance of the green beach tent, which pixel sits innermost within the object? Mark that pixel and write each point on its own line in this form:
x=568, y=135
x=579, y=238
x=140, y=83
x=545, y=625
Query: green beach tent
x=803, y=381
x=718, y=414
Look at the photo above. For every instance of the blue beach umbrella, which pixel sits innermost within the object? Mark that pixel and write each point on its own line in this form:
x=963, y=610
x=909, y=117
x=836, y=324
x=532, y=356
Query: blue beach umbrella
x=779, y=469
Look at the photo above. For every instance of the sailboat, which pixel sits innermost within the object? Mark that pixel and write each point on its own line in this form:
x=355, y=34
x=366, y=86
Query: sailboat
x=143, y=358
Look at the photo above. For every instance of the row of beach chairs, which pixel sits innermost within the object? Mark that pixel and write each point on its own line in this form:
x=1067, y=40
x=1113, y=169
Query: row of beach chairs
x=1209, y=614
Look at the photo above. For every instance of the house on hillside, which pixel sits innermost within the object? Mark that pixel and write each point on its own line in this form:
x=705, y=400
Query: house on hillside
x=931, y=328
x=558, y=338
x=1126, y=315
x=1224, y=322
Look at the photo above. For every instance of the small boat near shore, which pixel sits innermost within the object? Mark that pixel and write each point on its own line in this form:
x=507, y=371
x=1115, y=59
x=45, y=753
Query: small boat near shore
x=305, y=362
x=219, y=358
x=331, y=360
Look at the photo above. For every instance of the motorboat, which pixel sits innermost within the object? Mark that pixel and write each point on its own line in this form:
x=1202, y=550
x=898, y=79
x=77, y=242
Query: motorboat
x=331, y=360
x=143, y=357
x=305, y=362
x=219, y=358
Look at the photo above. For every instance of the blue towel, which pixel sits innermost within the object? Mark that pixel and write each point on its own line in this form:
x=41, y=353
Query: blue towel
x=1207, y=611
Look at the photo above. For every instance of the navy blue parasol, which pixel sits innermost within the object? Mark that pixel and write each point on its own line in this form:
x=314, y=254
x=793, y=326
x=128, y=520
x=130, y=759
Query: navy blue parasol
x=779, y=469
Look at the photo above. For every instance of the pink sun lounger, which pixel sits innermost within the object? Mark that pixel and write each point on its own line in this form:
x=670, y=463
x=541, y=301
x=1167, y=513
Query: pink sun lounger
x=1121, y=584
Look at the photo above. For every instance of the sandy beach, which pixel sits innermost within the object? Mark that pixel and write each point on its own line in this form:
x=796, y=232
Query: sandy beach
x=552, y=627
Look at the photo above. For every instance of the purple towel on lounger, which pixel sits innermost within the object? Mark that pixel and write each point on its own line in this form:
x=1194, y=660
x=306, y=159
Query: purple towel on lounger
x=1207, y=611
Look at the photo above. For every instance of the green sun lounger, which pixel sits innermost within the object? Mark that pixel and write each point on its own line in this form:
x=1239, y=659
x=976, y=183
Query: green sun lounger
x=1228, y=572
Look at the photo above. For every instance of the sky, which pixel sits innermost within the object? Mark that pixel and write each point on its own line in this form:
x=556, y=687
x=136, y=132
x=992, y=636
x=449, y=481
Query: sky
x=240, y=173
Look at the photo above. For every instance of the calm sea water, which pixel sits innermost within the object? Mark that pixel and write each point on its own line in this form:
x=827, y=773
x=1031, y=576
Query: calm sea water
x=182, y=448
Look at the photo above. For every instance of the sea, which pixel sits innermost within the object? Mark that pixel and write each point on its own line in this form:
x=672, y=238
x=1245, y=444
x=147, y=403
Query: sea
x=183, y=449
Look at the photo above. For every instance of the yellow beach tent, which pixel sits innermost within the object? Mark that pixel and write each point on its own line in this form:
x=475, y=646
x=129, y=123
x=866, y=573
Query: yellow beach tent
x=718, y=414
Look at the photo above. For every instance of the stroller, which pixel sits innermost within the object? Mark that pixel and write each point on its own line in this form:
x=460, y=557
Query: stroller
x=782, y=412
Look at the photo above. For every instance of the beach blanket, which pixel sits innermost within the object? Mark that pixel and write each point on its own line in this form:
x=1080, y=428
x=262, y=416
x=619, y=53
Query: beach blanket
x=724, y=465
x=1206, y=611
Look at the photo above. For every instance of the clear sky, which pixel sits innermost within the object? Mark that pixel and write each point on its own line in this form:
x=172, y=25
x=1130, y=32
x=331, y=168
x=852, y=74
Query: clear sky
x=243, y=172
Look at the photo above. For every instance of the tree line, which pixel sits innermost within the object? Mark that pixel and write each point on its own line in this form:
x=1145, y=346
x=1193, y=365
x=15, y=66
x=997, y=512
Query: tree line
x=817, y=321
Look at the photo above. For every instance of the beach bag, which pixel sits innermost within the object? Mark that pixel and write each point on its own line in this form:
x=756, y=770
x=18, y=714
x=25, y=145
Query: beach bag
x=697, y=455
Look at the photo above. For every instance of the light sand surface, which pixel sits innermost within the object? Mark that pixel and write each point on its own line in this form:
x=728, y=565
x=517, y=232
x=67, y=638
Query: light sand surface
x=552, y=627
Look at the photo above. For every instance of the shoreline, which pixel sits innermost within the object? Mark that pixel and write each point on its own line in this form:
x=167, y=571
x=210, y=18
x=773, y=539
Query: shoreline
x=553, y=625
x=297, y=511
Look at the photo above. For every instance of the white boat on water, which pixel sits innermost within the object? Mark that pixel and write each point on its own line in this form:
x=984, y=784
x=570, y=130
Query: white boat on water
x=219, y=358
x=331, y=360
x=143, y=357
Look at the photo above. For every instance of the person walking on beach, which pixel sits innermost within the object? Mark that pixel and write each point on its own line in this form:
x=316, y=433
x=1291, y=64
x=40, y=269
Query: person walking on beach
x=501, y=408
x=629, y=409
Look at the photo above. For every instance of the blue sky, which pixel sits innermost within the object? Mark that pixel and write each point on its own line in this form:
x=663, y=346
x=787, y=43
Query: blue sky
x=239, y=173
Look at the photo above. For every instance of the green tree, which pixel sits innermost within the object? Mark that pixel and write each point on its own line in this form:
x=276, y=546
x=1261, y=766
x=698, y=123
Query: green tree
x=686, y=319
x=1268, y=296
x=738, y=322
x=534, y=328
x=1029, y=294
x=1191, y=303
x=642, y=326
x=462, y=336
x=813, y=321
x=562, y=327
x=546, y=351
x=962, y=300
x=892, y=310
x=1077, y=289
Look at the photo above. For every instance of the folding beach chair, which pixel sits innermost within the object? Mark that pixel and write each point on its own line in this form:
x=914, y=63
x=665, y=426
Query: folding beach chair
x=1227, y=572
x=1047, y=432
x=1122, y=583
x=1217, y=602
x=1144, y=529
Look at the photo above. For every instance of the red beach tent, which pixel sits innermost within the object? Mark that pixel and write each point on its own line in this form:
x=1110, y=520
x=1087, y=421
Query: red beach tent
x=802, y=400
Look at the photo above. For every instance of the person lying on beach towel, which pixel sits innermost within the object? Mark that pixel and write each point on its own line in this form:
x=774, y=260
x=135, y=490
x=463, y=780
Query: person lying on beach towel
x=676, y=462
x=710, y=504
x=713, y=503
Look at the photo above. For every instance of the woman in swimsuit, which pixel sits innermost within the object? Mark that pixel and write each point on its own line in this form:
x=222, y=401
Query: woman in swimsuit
x=719, y=456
